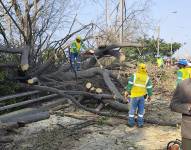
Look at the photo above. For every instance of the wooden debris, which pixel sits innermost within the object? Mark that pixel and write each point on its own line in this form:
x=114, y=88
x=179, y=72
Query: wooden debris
x=100, y=106
x=24, y=116
x=99, y=90
x=18, y=95
x=31, y=101
x=88, y=85
x=92, y=89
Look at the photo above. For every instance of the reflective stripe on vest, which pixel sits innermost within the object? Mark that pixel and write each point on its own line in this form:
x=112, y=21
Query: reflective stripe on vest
x=139, y=85
x=185, y=73
x=75, y=47
x=141, y=82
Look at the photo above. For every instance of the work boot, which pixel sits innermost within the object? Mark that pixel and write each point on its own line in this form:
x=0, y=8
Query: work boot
x=140, y=126
x=131, y=121
x=140, y=122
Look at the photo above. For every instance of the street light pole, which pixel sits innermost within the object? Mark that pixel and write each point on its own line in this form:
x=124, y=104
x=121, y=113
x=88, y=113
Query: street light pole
x=158, y=36
x=158, y=40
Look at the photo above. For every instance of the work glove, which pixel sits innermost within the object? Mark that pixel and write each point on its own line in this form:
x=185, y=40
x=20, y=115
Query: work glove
x=126, y=94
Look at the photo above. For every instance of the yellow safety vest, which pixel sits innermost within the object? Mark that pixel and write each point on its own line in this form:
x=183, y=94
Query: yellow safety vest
x=160, y=62
x=185, y=73
x=139, y=85
x=75, y=47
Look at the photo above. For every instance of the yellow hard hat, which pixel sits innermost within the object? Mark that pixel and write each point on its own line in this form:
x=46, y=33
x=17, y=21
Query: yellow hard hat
x=142, y=68
x=78, y=38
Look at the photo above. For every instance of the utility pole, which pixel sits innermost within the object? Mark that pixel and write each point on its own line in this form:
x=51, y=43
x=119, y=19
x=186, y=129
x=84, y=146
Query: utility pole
x=171, y=51
x=158, y=40
x=121, y=9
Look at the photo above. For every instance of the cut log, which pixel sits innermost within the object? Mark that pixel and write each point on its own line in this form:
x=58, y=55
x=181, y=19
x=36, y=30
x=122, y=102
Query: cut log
x=112, y=87
x=33, y=80
x=23, y=103
x=16, y=114
x=34, y=117
x=92, y=89
x=88, y=85
x=18, y=95
x=25, y=59
x=99, y=90
x=25, y=116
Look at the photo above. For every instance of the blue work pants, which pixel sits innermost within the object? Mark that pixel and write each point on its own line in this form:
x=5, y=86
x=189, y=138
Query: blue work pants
x=136, y=103
x=75, y=61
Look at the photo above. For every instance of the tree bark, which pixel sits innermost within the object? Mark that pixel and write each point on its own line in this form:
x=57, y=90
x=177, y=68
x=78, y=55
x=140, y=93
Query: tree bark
x=18, y=95
x=27, y=102
x=24, y=116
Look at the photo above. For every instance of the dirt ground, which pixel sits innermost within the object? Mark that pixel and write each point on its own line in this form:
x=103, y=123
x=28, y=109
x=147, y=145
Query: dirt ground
x=65, y=133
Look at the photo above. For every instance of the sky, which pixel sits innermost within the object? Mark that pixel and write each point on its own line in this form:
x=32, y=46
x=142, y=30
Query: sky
x=173, y=17
x=174, y=26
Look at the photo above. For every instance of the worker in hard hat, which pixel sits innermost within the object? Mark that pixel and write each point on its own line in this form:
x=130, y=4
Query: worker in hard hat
x=160, y=62
x=76, y=46
x=138, y=86
x=182, y=72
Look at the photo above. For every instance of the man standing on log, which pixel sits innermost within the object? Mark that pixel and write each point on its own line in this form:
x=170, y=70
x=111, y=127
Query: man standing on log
x=139, y=85
x=181, y=103
x=75, y=49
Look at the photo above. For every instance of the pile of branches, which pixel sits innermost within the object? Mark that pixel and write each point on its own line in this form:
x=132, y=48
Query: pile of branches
x=95, y=85
x=63, y=80
x=73, y=85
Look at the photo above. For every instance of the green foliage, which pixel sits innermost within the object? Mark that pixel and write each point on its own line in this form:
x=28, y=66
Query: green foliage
x=5, y=86
x=149, y=51
x=165, y=48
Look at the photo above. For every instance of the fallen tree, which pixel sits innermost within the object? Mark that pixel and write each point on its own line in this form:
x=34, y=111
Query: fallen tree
x=58, y=79
x=61, y=80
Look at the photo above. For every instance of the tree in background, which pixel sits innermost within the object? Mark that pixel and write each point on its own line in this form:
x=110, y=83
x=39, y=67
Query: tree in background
x=149, y=51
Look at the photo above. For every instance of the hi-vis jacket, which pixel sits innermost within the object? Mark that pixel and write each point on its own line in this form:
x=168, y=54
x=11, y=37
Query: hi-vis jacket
x=182, y=74
x=76, y=47
x=160, y=62
x=139, y=85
